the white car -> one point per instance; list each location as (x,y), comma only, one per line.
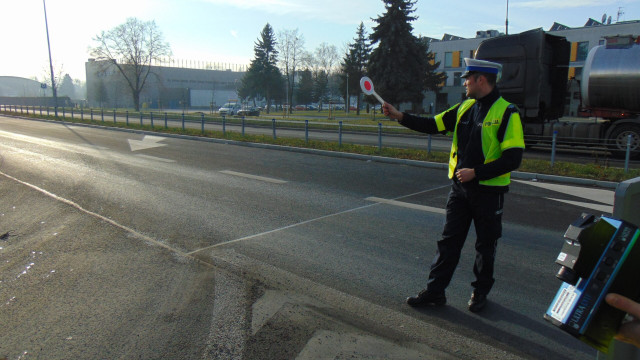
(229,109)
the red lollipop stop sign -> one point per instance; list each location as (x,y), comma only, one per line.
(367,87)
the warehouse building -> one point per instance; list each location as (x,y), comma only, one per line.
(170,85)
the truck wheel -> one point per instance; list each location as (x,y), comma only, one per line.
(618,141)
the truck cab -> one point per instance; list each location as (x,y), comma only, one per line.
(535,78)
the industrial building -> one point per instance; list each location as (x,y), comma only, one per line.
(170,85)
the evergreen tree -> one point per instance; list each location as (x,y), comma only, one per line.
(321,83)
(399,64)
(263,78)
(304,92)
(67,88)
(433,80)
(354,65)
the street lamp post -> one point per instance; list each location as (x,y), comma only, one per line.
(347,99)
(53,84)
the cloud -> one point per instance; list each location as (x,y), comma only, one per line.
(555,4)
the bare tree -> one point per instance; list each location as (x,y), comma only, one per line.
(322,65)
(58,73)
(291,49)
(132,47)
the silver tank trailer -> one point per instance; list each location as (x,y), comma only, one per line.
(611,78)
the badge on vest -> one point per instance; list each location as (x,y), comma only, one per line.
(492,122)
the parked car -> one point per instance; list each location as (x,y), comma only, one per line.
(312,107)
(229,109)
(249,112)
(300,107)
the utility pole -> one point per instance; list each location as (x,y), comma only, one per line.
(53,83)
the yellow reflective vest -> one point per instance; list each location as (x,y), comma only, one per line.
(492,147)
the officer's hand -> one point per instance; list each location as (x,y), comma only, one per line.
(629,332)
(391,111)
(465,175)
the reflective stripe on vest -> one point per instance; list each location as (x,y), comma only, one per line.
(491,147)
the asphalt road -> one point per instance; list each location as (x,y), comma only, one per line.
(283,128)
(131,245)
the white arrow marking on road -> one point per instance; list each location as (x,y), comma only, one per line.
(147,142)
(599,195)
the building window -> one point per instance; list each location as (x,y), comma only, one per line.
(456,58)
(583,50)
(448,59)
(457,80)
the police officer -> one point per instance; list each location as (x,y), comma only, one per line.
(487,145)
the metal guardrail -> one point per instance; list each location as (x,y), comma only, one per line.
(160,118)
(205,122)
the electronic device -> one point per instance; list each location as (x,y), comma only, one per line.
(599,256)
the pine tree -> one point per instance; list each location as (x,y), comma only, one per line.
(354,65)
(263,78)
(433,80)
(304,91)
(67,88)
(399,64)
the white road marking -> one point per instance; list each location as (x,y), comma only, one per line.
(280,229)
(249,237)
(254,177)
(608,209)
(81,149)
(599,195)
(96,215)
(266,307)
(147,142)
(406,205)
(603,197)
(155,158)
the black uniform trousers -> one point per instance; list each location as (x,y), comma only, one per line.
(464,205)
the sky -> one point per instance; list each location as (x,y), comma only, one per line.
(224,31)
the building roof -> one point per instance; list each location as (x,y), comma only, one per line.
(449,37)
(18,86)
(592,22)
(557,26)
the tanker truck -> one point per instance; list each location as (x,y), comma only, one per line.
(535,78)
